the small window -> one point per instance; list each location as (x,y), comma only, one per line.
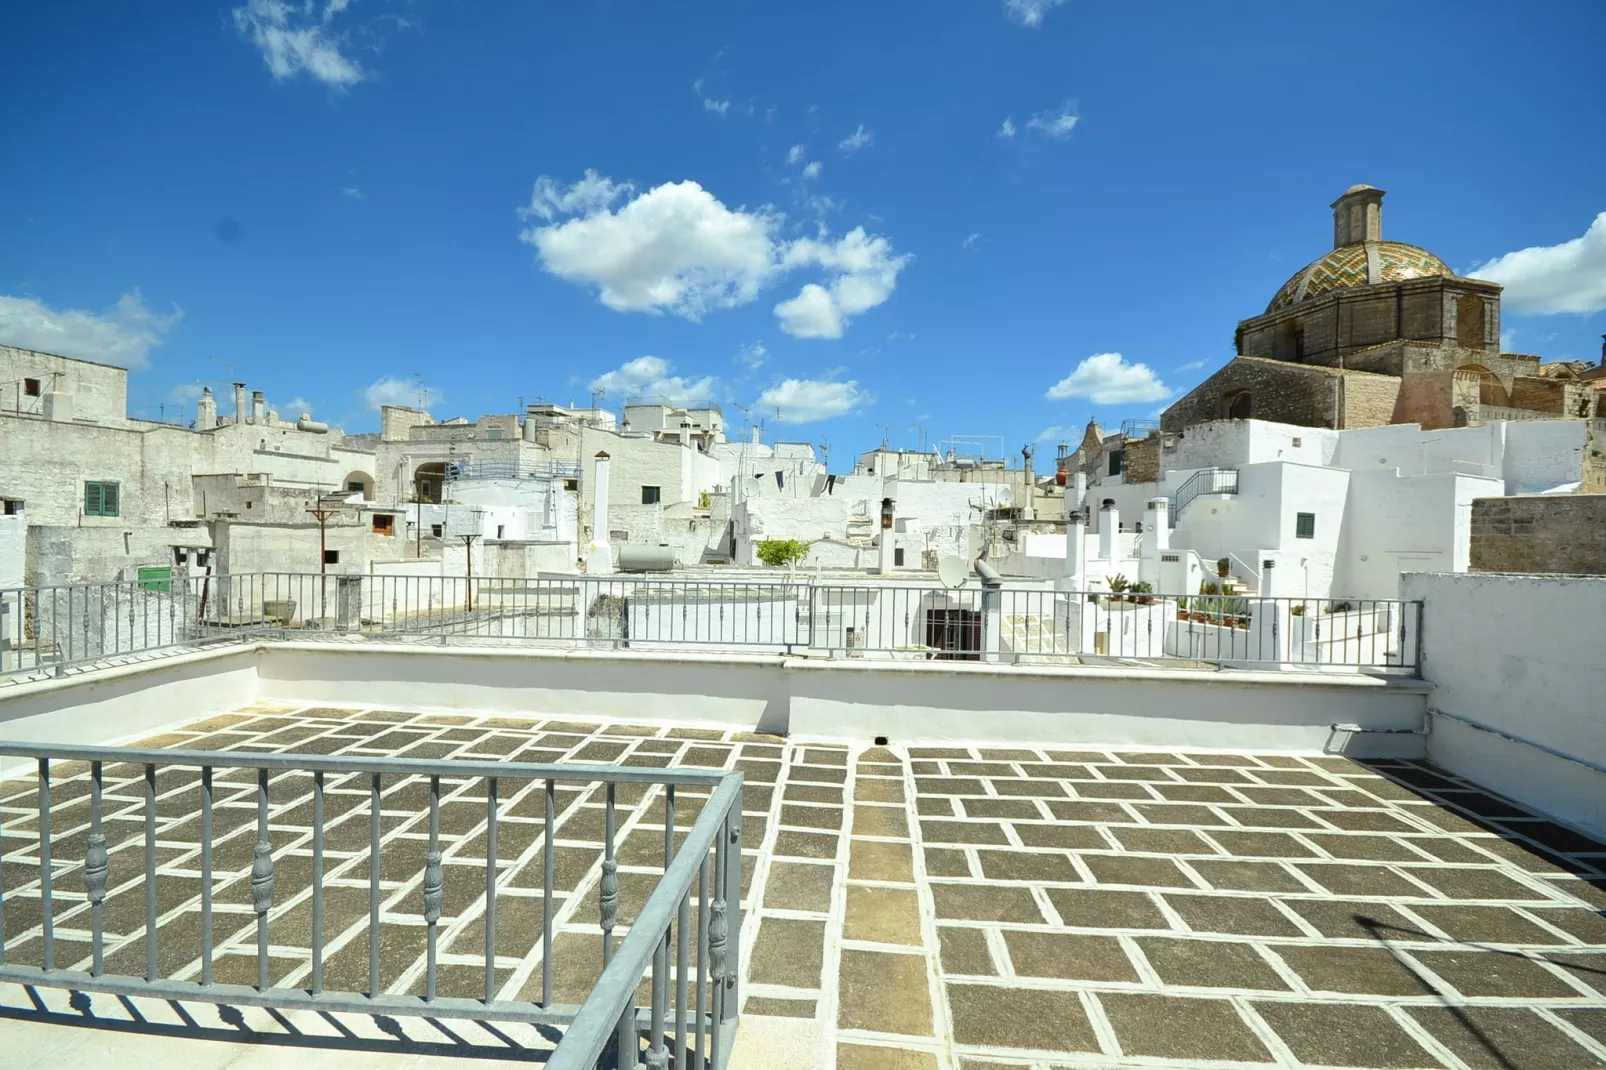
(499,531)
(1304,525)
(13,506)
(897,556)
(435,530)
(571,484)
(354,487)
(1298,442)
(181,556)
(651,495)
(1117,459)
(203,557)
(248,505)
(384,524)
(101,499)
(30,388)
(331,557)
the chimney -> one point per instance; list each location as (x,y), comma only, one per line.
(1358,216)
(599,560)
(259,407)
(884,557)
(1074,577)
(1109,527)
(205,411)
(239,403)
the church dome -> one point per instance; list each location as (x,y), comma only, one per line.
(1362,263)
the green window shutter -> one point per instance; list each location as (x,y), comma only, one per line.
(108,499)
(1304,525)
(92,499)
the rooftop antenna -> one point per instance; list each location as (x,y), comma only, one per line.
(421,390)
(825,451)
(598,394)
(922,430)
(886,430)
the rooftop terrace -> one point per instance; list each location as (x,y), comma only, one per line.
(920,906)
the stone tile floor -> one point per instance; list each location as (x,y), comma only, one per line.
(921,907)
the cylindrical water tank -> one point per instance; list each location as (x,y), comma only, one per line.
(530,428)
(636,557)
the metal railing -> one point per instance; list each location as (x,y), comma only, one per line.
(691,1013)
(550,470)
(1204,481)
(889,621)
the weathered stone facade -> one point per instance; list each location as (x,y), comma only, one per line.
(1303,394)
(1371,310)
(1540,533)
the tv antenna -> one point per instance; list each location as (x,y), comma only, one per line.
(825,451)
(886,430)
(420,390)
(598,394)
(922,430)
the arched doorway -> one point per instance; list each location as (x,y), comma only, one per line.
(1490,392)
(429,482)
(1239,404)
(358,482)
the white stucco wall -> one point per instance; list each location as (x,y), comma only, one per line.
(1520,655)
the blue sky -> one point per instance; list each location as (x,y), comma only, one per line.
(975,217)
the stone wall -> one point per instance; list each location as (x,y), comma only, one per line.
(1540,533)
(1299,394)
(1141,460)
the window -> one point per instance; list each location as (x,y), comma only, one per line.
(13,506)
(897,557)
(955,632)
(30,388)
(1239,404)
(651,495)
(1117,458)
(384,524)
(435,530)
(499,531)
(101,499)
(571,484)
(354,487)
(181,556)
(203,557)
(1304,525)
(331,557)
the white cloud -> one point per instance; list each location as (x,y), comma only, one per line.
(185,394)
(649,377)
(293,408)
(1508,340)
(593,192)
(1192,366)
(124,334)
(351,191)
(676,248)
(1029,12)
(753,355)
(389,390)
(1059,433)
(1107,379)
(298,40)
(812,170)
(802,401)
(1008,129)
(970,241)
(718,107)
(856,140)
(1055,123)
(794,155)
(866,272)
(1550,279)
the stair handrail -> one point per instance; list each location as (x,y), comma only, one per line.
(1204,481)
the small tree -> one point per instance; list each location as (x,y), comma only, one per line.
(778,552)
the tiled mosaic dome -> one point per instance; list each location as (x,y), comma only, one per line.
(1359,264)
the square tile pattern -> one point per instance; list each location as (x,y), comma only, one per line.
(928,906)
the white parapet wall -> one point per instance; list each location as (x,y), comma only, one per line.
(1519,686)
(847,700)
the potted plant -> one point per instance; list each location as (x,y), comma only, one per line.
(1118,586)
(1223,567)
(1143,593)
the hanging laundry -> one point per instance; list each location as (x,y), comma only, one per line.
(780,480)
(830,484)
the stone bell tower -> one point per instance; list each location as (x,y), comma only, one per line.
(1358,216)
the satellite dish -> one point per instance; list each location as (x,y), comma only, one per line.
(953,571)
